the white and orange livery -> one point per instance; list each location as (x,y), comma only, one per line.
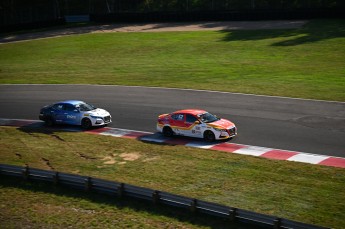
(196,123)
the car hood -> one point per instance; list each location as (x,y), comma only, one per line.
(222,124)
(98,112)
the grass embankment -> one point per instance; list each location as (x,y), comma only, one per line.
(305,63)
(307,193)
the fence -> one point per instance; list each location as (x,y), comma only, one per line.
(157,197)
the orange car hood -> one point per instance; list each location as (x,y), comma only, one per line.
(222,123)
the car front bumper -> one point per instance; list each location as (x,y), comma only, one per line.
(101,121)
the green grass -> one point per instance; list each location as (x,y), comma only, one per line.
(25,205)
(307,193)
(304,63)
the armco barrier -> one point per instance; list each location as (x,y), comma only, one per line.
(157,197)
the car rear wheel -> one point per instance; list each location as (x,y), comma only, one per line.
(49,122)
(209,136)
(86,123)
(167,131)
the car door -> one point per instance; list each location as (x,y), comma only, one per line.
(192,128)
(177,123)
(71,115)
(57,112)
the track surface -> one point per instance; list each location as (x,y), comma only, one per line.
(291,124)
(157,27)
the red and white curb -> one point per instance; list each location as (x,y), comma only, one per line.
(276,154)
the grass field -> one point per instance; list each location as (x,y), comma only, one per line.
(25,205)
(307,193)
(306,63)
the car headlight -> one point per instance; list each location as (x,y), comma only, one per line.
(218,129)
(95,117)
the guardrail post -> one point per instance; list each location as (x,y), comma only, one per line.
(277,223)
(88,184)
(155,197)
(120,190)
(56,178)
(26,172)
(193,205)
(232,214)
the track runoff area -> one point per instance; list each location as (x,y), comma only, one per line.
(270,153)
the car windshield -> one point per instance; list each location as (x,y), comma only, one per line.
(85,107)
(207,117)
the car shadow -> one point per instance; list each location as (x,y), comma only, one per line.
(159,138)
(31,127)
(40,127)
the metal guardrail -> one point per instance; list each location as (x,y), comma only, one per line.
(157,197)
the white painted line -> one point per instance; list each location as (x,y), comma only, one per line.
(308,158)
(186,89)
(114,132)
(129,131)
(201,145)
(152,139)
(253,150)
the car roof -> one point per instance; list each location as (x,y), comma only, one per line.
(73,102)
(191,111)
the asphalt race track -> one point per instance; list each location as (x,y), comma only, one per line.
(291,124)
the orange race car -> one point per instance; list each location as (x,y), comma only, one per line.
(196,123)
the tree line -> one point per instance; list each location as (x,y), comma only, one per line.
(14,12)
(113,6)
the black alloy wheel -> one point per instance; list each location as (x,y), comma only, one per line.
(86,124)
(49,122)
(209,136)
(167,131)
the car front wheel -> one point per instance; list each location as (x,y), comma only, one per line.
(167,131)
(209,136)
(86,123)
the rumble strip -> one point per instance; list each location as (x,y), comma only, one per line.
(275,154)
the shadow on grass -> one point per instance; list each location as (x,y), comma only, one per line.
(120,203)
(40,127)
(313,31)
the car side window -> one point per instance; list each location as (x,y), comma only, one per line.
(69,107)
(178,117)
(58,107)
(190,118)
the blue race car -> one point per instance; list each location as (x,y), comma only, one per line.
(74,112)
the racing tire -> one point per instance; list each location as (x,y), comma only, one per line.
(86,124)
(209,136)
(167,132)
(49,122)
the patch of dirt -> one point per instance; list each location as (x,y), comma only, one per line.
(130,156)
(109,160)
(47,162)
(158,27)
(86,157)
(151,159)
(57,137)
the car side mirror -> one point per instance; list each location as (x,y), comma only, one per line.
(76,110)
(197,122)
